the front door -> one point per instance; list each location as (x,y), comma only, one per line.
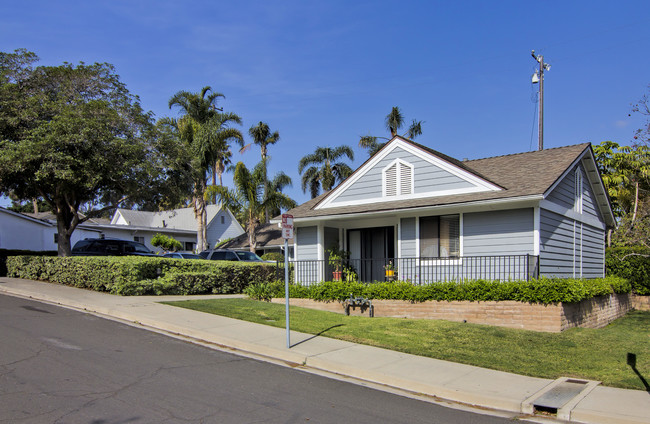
(370,250)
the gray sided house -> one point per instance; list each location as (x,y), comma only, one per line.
(434,218)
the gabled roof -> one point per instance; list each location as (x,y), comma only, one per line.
(179,219)
(26,217)
(268,235)
(519,176)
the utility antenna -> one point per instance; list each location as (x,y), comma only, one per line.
(538,77)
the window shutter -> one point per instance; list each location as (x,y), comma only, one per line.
(406,179)
(391,181)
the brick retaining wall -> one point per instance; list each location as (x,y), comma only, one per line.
(641,303)
(592,313)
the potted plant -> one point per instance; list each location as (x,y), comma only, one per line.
(336,258)
(390,270)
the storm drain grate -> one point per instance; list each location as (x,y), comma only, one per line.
(558,396)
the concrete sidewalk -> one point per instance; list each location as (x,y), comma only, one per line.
(445,381)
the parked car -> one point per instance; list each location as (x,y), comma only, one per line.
(110,247)
(230,255)
(177,255)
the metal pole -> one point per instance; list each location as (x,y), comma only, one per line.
(540,59)
(286,289)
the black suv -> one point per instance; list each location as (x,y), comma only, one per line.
(110,247)
(230,255)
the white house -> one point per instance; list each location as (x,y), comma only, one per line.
(437,218)
(39,231)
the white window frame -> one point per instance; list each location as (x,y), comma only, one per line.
(442,261)
(398,180)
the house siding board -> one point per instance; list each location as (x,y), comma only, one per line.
(508,232)
(307,272)
(564,195)
(428,178)
(408,238)
(593,252)
(217,231)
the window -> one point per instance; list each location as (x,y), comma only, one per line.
(56,238)
(223,219)
(440,236)
(139,239)
(577,205)
(398,178)
(189,245)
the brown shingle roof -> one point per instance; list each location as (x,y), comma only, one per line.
(267,235)
(522,174)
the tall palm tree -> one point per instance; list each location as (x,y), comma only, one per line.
(262,136)
(325,172)
(205,131)
(394,121)
(248,198)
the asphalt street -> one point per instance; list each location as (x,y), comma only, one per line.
(62,366)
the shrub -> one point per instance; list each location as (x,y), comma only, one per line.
(632,263)
(166,243)
(543,290)
(4,253)
(142,275)
(273,256)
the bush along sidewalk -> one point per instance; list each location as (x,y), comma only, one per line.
(543,291)
(632,263)
(142,276)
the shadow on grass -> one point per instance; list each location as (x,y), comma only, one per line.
(631,361)
(316,335)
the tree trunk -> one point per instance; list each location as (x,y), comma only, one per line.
(609,237)
(66,222)
(252,240)
(200,215)
(636,201)
(35,204)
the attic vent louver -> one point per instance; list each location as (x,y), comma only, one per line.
(398,178)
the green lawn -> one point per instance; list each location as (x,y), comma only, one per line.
(580,352)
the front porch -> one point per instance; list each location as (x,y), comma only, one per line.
(422,270)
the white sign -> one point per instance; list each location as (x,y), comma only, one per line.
(287,226)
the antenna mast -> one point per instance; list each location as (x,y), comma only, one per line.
(538,77)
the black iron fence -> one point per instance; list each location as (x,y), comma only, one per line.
(415,270)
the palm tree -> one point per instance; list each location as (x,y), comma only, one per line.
(262,136)
(394,121)
(204,129)
(248,198)
(326,172)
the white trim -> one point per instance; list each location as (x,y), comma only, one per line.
(478,206)
(536,230)
(461,232)
(399,237)
(450,192)
(398,178)
(570,213)
(480,184)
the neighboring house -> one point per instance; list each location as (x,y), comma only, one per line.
(20,231)
(178,223)
(436,218)
(269,239)
(139,226)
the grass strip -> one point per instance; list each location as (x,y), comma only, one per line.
(594,354)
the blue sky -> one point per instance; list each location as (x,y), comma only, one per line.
(324,73)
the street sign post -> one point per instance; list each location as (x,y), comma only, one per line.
(287,233)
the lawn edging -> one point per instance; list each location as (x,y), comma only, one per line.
(595,312)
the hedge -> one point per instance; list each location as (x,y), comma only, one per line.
(632,263)
(142,275)
(544,290)
(4,253)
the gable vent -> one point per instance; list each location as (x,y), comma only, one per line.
(398,178)
(406,178)
(391,180)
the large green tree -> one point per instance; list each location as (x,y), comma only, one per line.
(394,122)
(73,136)
(321,169)
(248,198)
(207,133)
(625,171)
